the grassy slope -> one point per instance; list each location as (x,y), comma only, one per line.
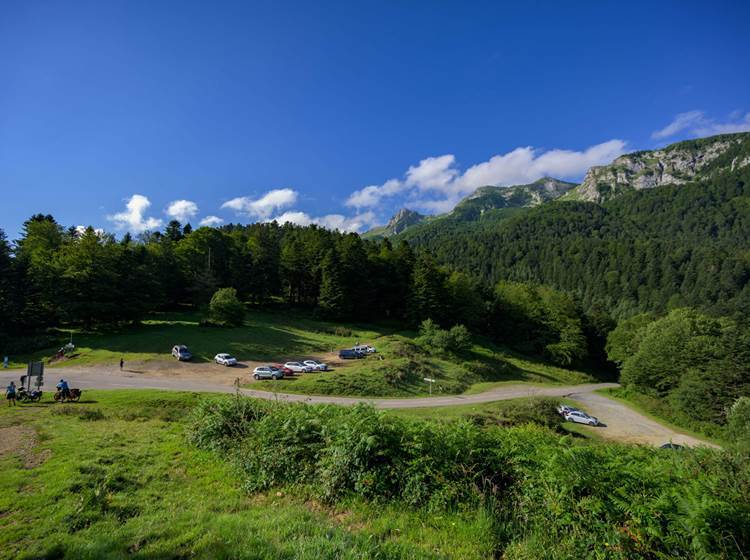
(265,336)
(285,335)
(480,369)
(125,484)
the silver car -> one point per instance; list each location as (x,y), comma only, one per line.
(225,360)
(315,365)
(298,367)
(267,372)
(580,417)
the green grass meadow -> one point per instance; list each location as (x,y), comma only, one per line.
(113,477)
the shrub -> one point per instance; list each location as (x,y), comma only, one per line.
(399,373)
(549,497)
(221,423)
(738,424)
(226,308)
(431,336)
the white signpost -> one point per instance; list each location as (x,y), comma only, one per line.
(430,381)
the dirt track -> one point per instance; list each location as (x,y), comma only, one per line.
(621,422)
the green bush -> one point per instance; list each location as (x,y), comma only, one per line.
(738,424)
(226,308)
(435,339)
(540,411)
(550,497)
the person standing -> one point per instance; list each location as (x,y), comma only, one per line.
(122,363)
(10,393)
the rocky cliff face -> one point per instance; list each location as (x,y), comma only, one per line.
(402,220)
(518,196)
(674,165)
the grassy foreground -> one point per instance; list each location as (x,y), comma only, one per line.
(122,475)
(113,477)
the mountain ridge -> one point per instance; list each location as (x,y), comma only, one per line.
(675,164)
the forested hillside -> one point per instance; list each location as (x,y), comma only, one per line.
(645,250)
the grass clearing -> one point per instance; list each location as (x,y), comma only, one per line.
(265,336)
(127,484)
(397,370)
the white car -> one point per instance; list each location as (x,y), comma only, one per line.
(298,367)
(267,372)
(364,349)
(316,366)
(225,360)
(581,418)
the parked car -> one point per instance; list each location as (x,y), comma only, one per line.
(564,409)
(267,372)
(181,352)
(283,369)
(350,354)
(580,417)
(364,349)
(225,360)
(315,365)
(298,367)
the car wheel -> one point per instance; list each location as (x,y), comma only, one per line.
(256,376)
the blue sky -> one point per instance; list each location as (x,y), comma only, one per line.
(341,113)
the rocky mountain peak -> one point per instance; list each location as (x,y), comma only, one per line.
(673,165)
(402,220)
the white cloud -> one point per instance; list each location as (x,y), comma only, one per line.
(696,123)
(181,210)
(340,222)
(265,206)
(211,221)
(80,230)
(432,173)
(370,196)
(438,183)
(132,218)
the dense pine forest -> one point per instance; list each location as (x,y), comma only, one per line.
(649,250)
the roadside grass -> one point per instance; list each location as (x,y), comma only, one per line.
(660,411)
(505,413)
(122,482)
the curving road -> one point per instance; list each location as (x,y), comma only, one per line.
(622,423)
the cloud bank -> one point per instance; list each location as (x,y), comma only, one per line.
(696,123)
(437,184)
(133,218)
(263,207)
(356,223)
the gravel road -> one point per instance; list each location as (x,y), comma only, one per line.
(622,423)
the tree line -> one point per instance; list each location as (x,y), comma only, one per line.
(53,276)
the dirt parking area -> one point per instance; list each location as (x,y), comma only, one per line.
(209,372)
